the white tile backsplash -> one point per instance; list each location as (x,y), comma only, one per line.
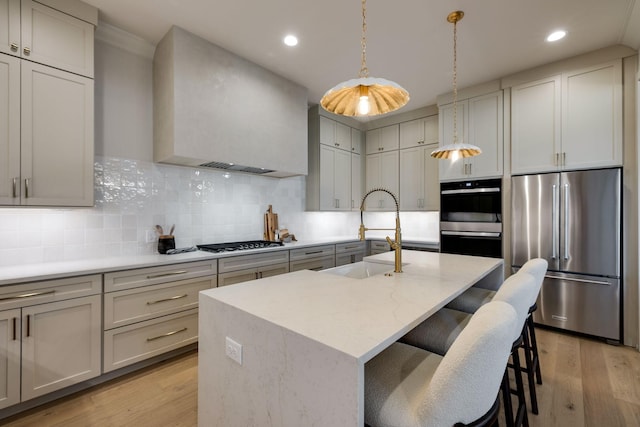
(206,206)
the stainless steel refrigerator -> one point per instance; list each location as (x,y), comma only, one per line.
(572,219)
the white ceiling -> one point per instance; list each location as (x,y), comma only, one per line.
(408,41)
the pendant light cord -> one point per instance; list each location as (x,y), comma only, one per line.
(455,83)
(364,71)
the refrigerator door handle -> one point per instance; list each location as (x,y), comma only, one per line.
(594,282)
(566,221)
(554,228)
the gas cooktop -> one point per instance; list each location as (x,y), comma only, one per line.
(239,246)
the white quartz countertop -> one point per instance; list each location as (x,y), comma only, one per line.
(54,270)
(359,317)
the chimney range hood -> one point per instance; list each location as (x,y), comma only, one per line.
(215,109)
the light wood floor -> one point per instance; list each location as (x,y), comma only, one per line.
(586,383)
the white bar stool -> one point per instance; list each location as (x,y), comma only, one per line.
(411,387)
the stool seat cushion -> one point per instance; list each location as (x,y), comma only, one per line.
(471,300)
(396,383)
(438,332)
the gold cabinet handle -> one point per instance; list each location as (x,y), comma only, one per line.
(27,51)
(167,299)
(171,273)
(29,295)
(168,334)
(14,47)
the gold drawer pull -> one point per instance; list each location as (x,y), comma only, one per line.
(168,334)
(171,273)
(167,299)
(29,295)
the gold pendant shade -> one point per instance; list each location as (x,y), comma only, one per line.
(456,151)
(383,96)
(364,96)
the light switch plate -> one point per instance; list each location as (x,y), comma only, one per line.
(233,349)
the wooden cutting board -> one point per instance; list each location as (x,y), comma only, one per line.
(270,225)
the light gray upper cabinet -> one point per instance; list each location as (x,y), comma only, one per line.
(213,108)
(419,132)
(381,170)
(335,134)
(47,150)
(568,121)
(31,30)
(357,168)
(479,122)
(383,139)
(419,182)
(419,179)
(333,161)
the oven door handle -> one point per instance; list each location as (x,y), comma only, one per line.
(471,234)
(472,190)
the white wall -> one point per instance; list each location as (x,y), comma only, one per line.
(132,193)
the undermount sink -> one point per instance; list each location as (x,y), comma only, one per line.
(360,270)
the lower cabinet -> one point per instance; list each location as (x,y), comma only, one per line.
(313,258)
(378,247)
(150,311)
(248,274)
(134,343)
(243,268)
(49,340)
(348,253)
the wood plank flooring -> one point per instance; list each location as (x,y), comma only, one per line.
(585,383)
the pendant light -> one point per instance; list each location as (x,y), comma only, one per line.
(457,149)
(364,96)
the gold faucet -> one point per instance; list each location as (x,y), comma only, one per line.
(395,245)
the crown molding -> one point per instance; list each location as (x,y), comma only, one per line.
(124,40)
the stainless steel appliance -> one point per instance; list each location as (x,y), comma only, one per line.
(238,246)
(471,217)
(572,219)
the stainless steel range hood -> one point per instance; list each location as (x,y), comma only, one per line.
(215,109)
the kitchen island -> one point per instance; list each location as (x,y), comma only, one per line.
(300,340)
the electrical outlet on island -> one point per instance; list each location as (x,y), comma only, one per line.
(233,349)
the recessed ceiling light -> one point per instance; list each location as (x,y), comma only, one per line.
(556,35)
(291,40)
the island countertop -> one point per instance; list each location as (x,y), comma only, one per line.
(305,337)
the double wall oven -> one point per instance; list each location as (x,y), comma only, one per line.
(471,217)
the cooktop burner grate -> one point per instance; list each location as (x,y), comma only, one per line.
(238,246)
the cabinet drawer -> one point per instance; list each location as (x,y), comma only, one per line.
(243,262)
(239,276)
(350,258)
(312,252)
(360,246)
(139,304)
(313,264)
(379,246)
(130,344)
(128,279)
(26,294)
